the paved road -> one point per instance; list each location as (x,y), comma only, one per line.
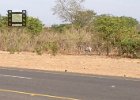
(22,84)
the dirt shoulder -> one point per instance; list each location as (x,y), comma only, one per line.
(99,65)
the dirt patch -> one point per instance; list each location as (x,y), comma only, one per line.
(100,65)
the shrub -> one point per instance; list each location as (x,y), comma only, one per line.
(54,48)
(34,26)
(130,45)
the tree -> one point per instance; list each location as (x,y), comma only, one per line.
(3,21)
(34,25)
(115,30)
(66,9)
(84,18)
(130,44)
(73,12)
(138,28)
(105,24)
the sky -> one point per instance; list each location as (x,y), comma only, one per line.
(42,9)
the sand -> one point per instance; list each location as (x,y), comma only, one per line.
(97,65)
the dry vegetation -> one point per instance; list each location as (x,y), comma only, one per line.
(68,42)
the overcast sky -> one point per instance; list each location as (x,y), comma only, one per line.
(43,8)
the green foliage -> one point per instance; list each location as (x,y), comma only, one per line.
(61,28)
(115,30)
(3,21)
(128,22)
(84,18)
(111,24)
(34,25)
(130,45)
(54,48)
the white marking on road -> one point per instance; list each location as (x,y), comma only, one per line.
(12,69)
(113,86)
(57,73)
(28,78)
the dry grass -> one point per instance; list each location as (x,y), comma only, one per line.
(100,65)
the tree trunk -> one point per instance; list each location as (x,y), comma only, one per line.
(107,48)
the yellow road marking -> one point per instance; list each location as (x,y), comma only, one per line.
(35,94)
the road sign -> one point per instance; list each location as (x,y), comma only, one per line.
(17,18)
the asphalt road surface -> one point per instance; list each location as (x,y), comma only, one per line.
(23,84)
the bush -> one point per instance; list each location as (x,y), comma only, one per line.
(40,47)
(34,26)
(130,45)
(43,46)
(39,50)
(54,48)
